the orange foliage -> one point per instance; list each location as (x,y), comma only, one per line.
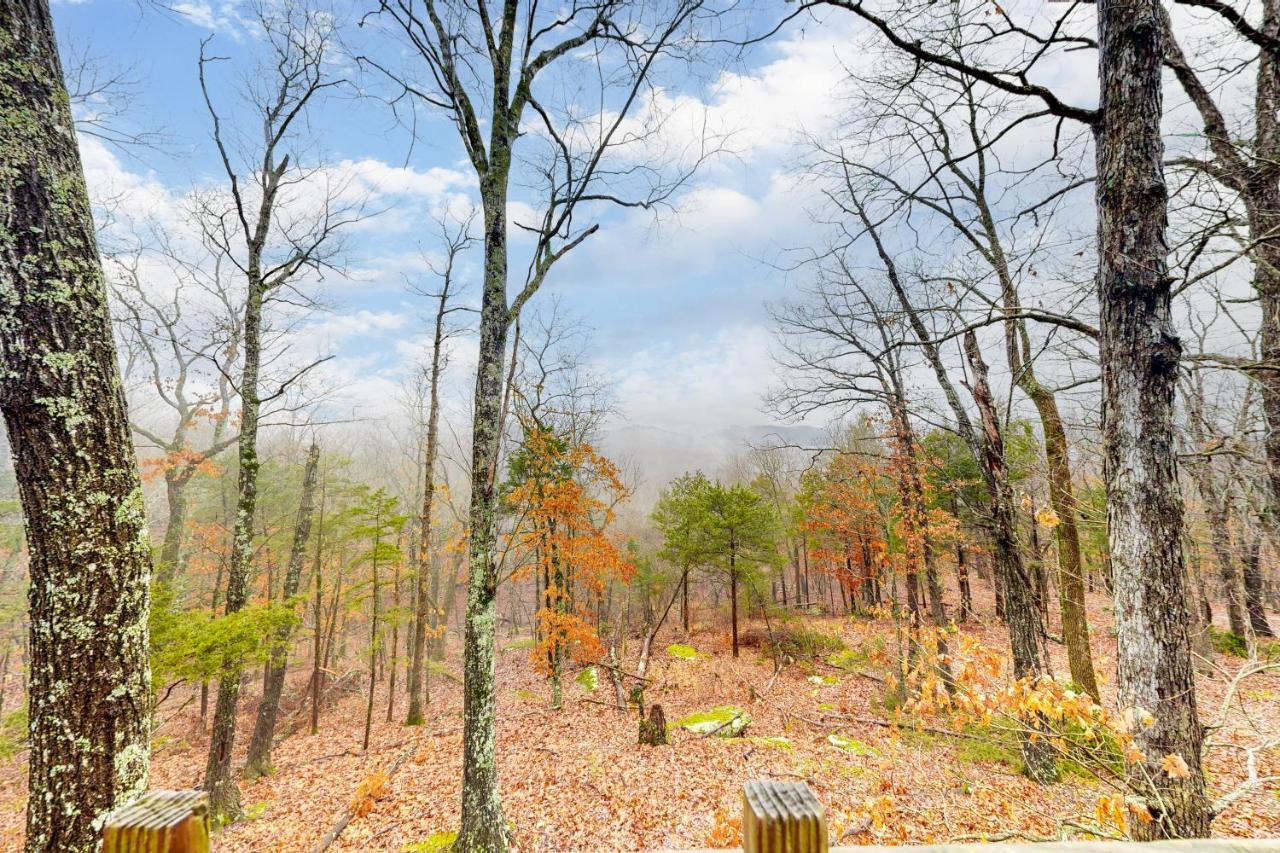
(188,460)
(566,495)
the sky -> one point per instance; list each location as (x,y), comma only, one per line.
(676,299)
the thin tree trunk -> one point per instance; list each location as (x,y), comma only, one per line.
(1253,590)
(1011,573)
(373,642)
(169,567)
(427,602)
(259,761)
(1139,355)
(317,677)
(224,795)
(395,641)
(89,684)
(733,598)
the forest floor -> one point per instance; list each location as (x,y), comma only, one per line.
(575,779)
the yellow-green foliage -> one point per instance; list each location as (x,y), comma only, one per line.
(683,652)
(197,646)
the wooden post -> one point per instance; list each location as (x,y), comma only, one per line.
(782,817)
(159,822)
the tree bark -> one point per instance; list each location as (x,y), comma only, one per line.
(483,827)
(1255,598)
(224,796)
(1011,573)
(89,683)
(1139,354)
(259,761)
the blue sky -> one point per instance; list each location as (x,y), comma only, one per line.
(676,301)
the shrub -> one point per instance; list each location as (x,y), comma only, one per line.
(1228,643)
(793,640)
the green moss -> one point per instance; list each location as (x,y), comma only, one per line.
(1228,643)
(436,842)
(851,745)
(522,644)
(800,641)
(13,732)
(777,742)
(724,721)
(683,652)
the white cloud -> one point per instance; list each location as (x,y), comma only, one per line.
(697,386)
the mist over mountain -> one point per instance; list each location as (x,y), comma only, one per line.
(652,456)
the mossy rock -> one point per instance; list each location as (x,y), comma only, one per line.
(522,644)
(777,742)
(683,652)
(852,745)
(823,680)
(725,721)
(848,660)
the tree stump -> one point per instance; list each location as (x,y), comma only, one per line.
(159,822)
(653,731)
(782,817)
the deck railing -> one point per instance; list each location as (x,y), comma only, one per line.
(777,817)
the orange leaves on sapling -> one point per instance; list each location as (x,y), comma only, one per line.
(371,789)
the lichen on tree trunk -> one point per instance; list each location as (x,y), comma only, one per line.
(1139,355)
(61,395)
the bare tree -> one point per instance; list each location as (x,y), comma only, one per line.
(273,237)
(486,67)
(64,410)
(176,339)
(1139,350)
(947,134)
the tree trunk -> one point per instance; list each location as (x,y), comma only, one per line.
(1255,599)
(224,796)
(483,827)
(373,644)
(175,486)
(1224,554)
(89,683)
(395,641)
(1139,354)
(684,601)
(1071,585)
(1011,573)
(259,761)
(317,677)
(427,598)
(733,600)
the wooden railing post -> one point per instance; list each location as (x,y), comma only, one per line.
(782,817)
(159,822)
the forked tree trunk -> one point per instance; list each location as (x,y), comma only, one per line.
(259,761)
(89,683)
(1139,354)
